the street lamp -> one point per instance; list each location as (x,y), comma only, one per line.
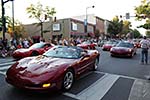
(13,21)
(3,17)
(86,18)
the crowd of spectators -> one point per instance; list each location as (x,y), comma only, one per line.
(14,44)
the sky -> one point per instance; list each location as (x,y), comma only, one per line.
(105,9)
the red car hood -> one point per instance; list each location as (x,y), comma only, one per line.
(120,49)
(38,69)
(40,65)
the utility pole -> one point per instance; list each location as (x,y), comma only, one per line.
(3,17)
(86,19)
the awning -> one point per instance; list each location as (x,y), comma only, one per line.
(78,33)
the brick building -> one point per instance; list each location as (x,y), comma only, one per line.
(66,28)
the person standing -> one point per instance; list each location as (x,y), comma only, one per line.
(144,52)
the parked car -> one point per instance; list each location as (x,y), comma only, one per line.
(34,50)
(125,49)
(108,45)
(55,69)
(87,45)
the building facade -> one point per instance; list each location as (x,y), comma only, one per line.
(66,28)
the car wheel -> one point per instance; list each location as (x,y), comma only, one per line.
(132,55)
(34,53)
(68,80)
(111,55)
(135,53)
(94,48)
(96,64)
(88,48)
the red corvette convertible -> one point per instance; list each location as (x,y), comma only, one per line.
(87,45)
(34,50)
(123,48)
(108,45)
(55,69)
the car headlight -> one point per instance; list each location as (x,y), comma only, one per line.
(112,49)
(130,50)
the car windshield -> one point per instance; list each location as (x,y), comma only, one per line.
(63,52)
(125,44)
(110,42)
(37,45)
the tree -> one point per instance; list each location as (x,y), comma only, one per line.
(126,27)
(115,27)
(97,33)
(40,13)
(146,25)
(15,31)
(136,33)
(143,13)
(147,34)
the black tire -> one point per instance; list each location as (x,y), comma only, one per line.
(135,53)
(132,55)
(88,48)
(111,55)
(68,80)
(34,53)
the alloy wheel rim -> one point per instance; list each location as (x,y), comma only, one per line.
(68,80)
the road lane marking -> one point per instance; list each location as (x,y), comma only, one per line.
(71,95)
(8,63)
(5,67)
(3,73)
(101,86)
(134,78)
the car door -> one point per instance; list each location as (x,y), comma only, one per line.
(84,63)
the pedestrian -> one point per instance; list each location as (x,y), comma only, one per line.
(26,43)
(145,44)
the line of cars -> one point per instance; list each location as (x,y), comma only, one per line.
(121,48)
(53,67)
(57,67)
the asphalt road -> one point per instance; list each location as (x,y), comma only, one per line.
(124,66)
(115,79)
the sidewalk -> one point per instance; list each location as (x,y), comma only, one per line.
(140,90)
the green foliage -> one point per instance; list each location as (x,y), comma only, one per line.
(136,33)
(38,11)
(97,33)
(115,27)
(147,34)
(126,27)
(143,12)
(18,27)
